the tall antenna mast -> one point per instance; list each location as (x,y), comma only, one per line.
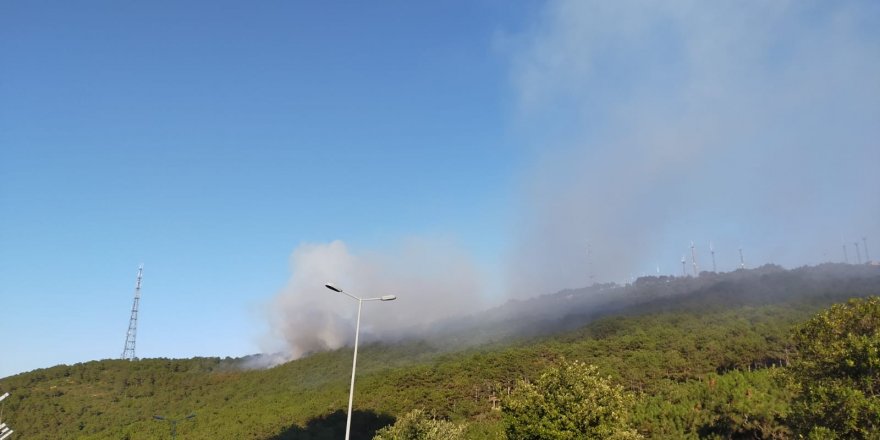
(742,261)
(865,241)
(845,254)
(694,258)
(858,252)
(683,271)
(128,352)
(712,251)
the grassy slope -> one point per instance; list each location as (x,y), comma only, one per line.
(687,356)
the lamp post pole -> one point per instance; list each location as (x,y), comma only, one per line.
(357,331)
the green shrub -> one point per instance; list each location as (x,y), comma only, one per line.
(568,401)
(838,372)
(417,425)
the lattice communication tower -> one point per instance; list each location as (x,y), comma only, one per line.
(128,352)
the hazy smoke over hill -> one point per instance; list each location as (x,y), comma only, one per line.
(657,123)
(648,124)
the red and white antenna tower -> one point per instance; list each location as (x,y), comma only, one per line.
(5,431)
(128,352)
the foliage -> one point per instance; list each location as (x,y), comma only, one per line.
(417,425)
(701,363)
(737,404)
(838,372)
(569,401)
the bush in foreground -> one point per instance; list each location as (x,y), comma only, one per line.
(838,372)
(417,425)
(568,401)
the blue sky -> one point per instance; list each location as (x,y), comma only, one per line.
(210,140)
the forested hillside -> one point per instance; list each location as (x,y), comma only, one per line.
(702,357)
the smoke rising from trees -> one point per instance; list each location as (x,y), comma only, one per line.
(432,278)
(646,125)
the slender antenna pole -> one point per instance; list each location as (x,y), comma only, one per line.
(742,261)
(867,256)
(694,258)
(845,254)
(712,251)
(858,252)
(590,264)
(683,271)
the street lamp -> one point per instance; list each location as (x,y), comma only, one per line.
(356,334)
(173,423)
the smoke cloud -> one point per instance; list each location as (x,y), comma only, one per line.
(646,125)
(652,124)
(433,279)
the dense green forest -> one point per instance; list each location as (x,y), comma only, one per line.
(703,357)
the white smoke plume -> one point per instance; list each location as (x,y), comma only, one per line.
(652,124)
(646,125)
(432,279)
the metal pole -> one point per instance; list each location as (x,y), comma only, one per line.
(712,250)
(353,366)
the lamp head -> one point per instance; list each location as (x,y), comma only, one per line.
(332,287)
(388,298)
